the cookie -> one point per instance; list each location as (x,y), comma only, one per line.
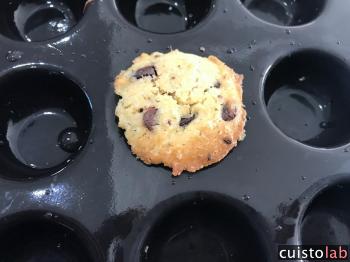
(180,110)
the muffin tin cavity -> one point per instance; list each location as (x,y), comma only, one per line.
(285,12)
(165,16)
(45,120)
(327,219)
(71,188)
(203,228)
(39,20)
(306,97)
(44,237)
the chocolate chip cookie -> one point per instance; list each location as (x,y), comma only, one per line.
(180,110)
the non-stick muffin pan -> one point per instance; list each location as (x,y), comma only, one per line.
(70,188)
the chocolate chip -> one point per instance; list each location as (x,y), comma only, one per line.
(217,84)
(228,113)
(186,120)
(149,118)
(140,110)
(227,141)
(146,71)
(169,122)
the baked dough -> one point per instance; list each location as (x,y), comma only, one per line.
(180,110)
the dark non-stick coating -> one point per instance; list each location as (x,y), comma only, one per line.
(281,185)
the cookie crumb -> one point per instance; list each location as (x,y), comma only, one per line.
(87,5)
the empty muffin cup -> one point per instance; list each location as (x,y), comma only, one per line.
(45,121)
(327,219)
(164,16)
(306,95)
(203,228)
(285,12)
(39,20)
(39,237)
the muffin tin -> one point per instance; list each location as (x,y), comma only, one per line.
(72,191)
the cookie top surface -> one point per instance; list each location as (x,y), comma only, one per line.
(181,110)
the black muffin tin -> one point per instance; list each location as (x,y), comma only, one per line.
(72,191)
